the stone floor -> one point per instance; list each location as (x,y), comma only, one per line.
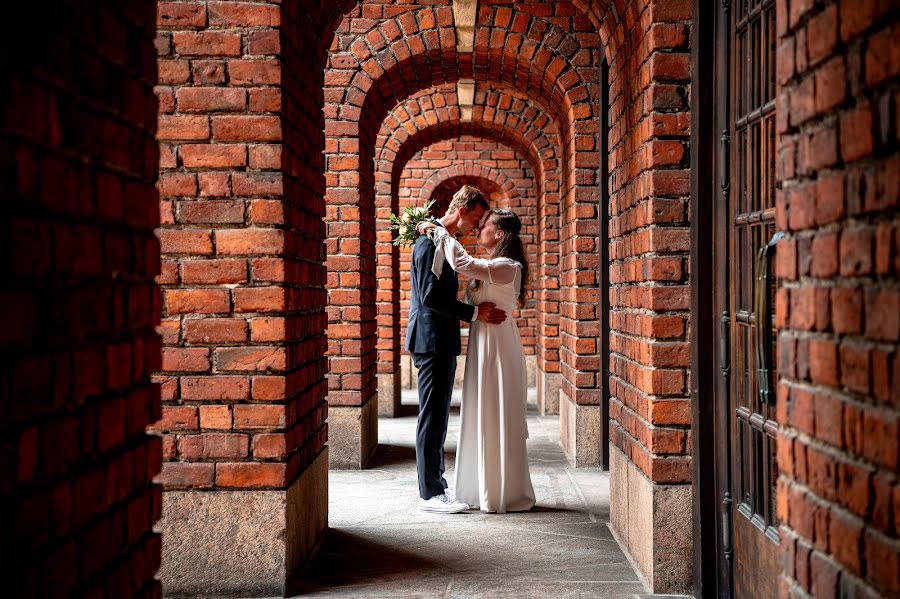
(381,546)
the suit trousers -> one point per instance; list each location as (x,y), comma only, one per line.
(436,374)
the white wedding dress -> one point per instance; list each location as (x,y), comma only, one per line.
(491,457)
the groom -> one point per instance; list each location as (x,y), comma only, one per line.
(433,339)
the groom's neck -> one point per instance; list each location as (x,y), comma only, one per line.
(451,222)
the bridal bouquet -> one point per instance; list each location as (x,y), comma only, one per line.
(405,224)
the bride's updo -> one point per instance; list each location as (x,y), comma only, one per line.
(510,245)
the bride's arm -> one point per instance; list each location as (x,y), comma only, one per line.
(498,270)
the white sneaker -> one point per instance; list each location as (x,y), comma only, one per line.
(451,493)
(442,504)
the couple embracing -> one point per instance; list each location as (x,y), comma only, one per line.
(491,460)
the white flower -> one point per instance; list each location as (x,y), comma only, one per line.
(406,216)
(420,211)
(404,230)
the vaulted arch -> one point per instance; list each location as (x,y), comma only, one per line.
(500,114)
(373,69)
(444,182)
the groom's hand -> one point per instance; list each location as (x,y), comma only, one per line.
(488,312)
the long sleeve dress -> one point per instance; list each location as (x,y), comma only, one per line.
(491,458)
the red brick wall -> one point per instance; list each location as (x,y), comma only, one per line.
(376,63)
(79,168)
(376,57)
(445,182)
(838,306)
(438,171)
(577,294)
(428,118)
(241,190)
(649,249)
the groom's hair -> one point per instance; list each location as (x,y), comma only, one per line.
(467,197)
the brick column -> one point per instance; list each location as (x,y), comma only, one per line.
(351,235)
(547,295)
(242,187)
(838,306)
(387,274)
(578,265)
(79,256)
(352,326)
(650,464)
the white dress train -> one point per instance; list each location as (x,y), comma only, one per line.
(491,458)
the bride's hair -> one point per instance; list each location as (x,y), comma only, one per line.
(510,245)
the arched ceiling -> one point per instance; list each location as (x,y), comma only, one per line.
(397,58)
(434,115)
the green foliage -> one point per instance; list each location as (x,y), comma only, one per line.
(405,224)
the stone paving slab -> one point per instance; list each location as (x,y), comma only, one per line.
(381,546)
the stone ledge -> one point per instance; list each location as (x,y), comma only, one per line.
(547,392)
(579,432)
(654,525)
(353,434)
(389,394)
(242,543)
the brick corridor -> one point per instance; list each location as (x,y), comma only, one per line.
(562,548)
(206,316)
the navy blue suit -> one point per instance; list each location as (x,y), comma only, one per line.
(433,340)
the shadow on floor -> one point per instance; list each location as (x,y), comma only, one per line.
(407,411)
(392,455)
(410,408)
(347,559)
(546,509)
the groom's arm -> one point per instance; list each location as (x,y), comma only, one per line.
(433,295)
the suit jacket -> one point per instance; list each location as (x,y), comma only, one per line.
(434,311)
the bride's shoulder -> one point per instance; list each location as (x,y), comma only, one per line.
(515,263)
(504,260)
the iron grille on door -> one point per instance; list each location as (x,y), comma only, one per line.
(752,218)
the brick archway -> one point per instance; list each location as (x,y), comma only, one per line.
(386,64)
(502,192)
(242,288)
(501,114)
(648,110)
(430,116)
(444,182)
(498,111)
(571,43)
(548,52)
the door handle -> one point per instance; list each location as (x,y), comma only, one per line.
(763,318)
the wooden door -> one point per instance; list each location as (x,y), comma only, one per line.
(746,252)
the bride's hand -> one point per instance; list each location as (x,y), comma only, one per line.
(425,226)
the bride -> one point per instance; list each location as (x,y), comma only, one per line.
(491,459)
